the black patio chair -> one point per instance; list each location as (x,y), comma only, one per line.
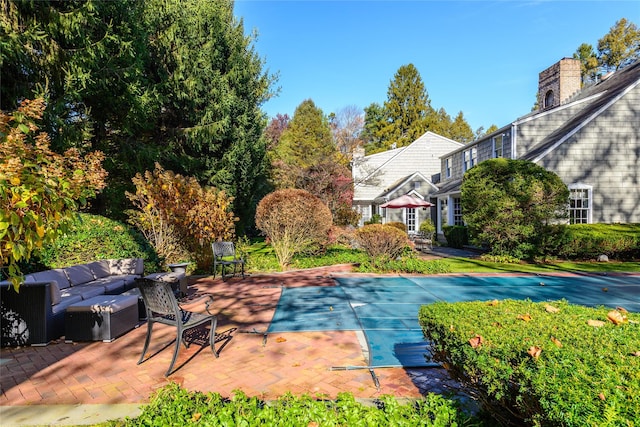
(163,307)
(224,254)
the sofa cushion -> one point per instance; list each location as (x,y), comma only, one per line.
(126,266)
(111,284)
(79,274)
(84,291)
(56,274)
(99,268)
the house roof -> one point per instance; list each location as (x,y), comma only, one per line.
(376,174)
(606,93)
(597,99)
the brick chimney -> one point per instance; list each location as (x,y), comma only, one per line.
(558,83)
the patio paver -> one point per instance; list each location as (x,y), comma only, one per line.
(107,373)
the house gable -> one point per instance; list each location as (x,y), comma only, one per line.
(375,174)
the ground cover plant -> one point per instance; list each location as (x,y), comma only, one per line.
(175,406)
(541,364)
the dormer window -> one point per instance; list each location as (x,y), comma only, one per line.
(447,167)
(548,99)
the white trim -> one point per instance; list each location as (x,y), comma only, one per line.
(585,122)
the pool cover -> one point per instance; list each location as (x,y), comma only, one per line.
(386,308)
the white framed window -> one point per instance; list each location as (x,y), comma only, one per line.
(469,158)
(497,146)
(447,167)
(417,185)
(410,219)
(457,211)
(580,203)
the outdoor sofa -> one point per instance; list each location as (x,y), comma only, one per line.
(35,315)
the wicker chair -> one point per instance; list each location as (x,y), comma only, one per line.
(224,254)
(163,307)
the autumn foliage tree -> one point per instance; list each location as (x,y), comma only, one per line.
(177,215)
(40,191)
(294,221)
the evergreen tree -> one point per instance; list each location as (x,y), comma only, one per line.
(460,130)
(372,129)
(588,62)
(407,108)
(210,84)
(307,141)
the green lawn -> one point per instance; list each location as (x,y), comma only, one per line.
(262,259)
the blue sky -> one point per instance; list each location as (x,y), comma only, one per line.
(478,57)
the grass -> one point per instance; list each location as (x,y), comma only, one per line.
(261,258)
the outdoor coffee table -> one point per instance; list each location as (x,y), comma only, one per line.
(101,318)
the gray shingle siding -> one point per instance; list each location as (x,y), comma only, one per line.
(605,155)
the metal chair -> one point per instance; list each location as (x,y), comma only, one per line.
(163,307)
(224,254)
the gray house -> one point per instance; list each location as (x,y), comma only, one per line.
(384,176)
(589,137)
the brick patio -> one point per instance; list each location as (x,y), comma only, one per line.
(107,373)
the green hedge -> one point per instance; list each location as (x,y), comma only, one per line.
(584,375)
(587,241)
(457,235)
(174,406)
(96,237)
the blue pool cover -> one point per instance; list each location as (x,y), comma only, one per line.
(386,308)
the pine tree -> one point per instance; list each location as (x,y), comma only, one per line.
(307,141)
(620,46)
(407,108)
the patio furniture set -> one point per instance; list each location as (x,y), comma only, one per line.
(102,300)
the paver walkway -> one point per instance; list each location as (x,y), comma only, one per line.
(107,373)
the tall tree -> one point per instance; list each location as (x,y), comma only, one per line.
(372,128)
(86,58)
(407,108)
(306,141)
(588,62)
(460,130)
(346,126)
(210,84)
(620,46)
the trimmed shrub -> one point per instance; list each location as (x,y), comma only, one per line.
(294,221)
(457,235)
(407,265)
(542,364)
(95,237)
(382,240)
(510,204)
(587,241)
(175,406)
(399,225)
